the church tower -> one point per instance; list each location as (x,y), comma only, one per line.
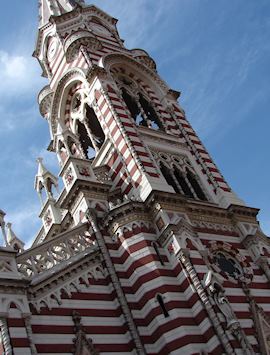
(147,250)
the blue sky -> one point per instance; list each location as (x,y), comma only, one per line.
(217,53)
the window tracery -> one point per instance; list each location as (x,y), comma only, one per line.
(178,173)
(85,124)
(138,103)
(228,264)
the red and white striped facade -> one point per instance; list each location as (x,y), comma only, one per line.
(124,264)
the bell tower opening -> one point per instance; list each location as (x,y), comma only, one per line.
(96,130)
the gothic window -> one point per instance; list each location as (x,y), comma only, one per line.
(151,116)
(162,305)
(141,110)
(86,143)
(196,187)
(95,127)
(169,177)
(86,123)
(177,173)
(133,107)
(183,183)
(228,264)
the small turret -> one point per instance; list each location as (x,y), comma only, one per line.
(13,241)
(45,180)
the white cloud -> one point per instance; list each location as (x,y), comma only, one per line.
(16,119)
(19,74)
(25,222)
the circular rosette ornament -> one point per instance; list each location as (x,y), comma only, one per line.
(229,263)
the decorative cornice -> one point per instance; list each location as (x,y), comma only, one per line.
(100,190)
(120,58)
(52,288)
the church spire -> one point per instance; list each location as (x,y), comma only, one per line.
(48,8)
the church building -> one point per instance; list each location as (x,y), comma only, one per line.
(146,250)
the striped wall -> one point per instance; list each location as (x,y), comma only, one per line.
(187,327)
(17,331)
(198,150)
(101,317)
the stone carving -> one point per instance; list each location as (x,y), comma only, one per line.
(76,40)
(69,177)
(102,173)
(83,170)
(82,345)
(217,293)
(51,298)
(49,254)
(48,219)
(243,269)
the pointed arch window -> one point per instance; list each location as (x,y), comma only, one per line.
(169,177)
(87,125)
(133,108)
(96,130)
(140,108)
(179,176)
(183,183)
(195,185)
(86,143)
(151,115)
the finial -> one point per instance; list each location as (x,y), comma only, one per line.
(12,240)
(45,180)
(2,225)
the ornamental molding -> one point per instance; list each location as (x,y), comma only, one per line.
(144,58)
(82,344)
(49,294)
(80,38)
(119,230)
(45,100)
(262,327)
(72,75)
(220,227)
(111,59)
(87,11)
(86,189)
(20,301)
(56,253)
(125,213)
(158,138)
(180,232)
(226,248)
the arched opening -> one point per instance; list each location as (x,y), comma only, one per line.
(196,186)
(150,113)
(162,305)
(85,141)
(168,177)
(133,108)
(97,133)
(182,182)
